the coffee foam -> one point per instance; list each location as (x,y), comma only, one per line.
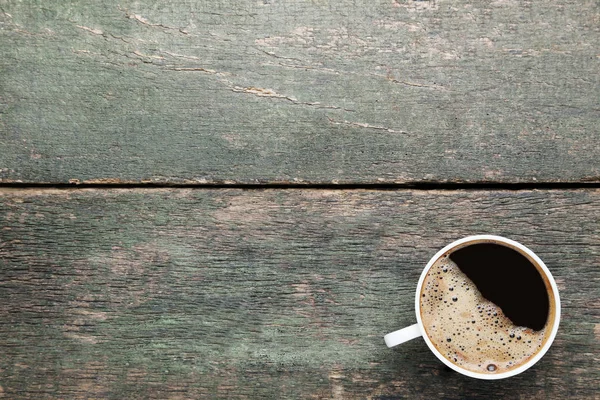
(469,330)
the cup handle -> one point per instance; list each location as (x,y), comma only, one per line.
(403,335)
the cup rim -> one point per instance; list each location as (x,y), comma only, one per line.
(549,277)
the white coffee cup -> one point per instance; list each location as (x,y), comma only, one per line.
(416,330)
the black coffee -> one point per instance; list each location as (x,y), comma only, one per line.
(508,279)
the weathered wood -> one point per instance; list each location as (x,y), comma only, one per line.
(267,294)
(293,90)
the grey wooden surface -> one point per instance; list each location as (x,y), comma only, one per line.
(284,293)
(179,293)
(299,91)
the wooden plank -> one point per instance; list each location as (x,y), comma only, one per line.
(291,90)
(163,293)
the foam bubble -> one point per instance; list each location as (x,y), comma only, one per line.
(469,330)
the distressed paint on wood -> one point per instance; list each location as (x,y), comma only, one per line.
(177,293)
(299,91)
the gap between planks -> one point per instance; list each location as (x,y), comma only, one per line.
(449,186)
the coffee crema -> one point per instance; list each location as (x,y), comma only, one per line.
(469,330)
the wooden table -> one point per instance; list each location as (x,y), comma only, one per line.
(235,199)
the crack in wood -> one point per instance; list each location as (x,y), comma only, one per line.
(260,92)
(365,125)
(140,19)
(91,30)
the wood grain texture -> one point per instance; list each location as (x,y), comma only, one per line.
(293,90)
(162,293)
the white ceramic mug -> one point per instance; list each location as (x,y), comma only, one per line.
(416,330)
